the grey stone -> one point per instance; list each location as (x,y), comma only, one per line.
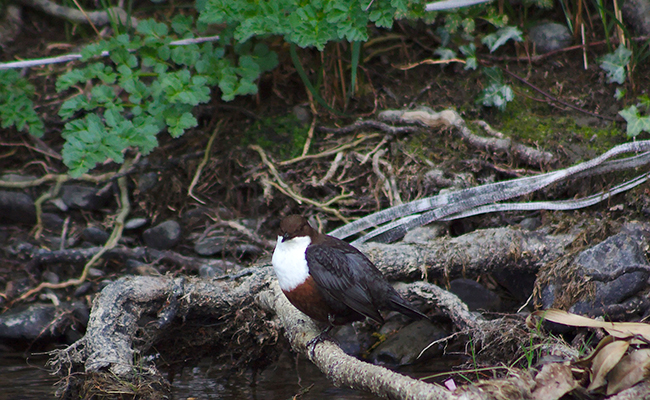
(38,322)
(617,268)
(85,197)
(147,181)
(16,207)
(135,223)
(211,245)
(163,236)
(95,235)
(52,221)
(550,36)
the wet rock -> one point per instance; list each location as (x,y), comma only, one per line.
(352,341)
(52,221)
(85,197)
(41,322)
(550,36)
(247,250)
(83,289)
(95,235)
(200,215)
(617,268)
(637,13)
(51,277)
(211,245)
(163,236)
(603,264)
(404,347)
(475,295)
(147,181)
(16,207)
(135,223)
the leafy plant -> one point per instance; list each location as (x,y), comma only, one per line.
(614,64)
(148,85)
(16,106)
(308,23)
(496,94)
(636,122)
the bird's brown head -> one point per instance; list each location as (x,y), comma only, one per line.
(294,226)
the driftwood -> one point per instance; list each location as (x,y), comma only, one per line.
(135,313)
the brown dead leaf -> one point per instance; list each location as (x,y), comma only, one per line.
(632,369)
(606,359)
(620,330)
(554,381)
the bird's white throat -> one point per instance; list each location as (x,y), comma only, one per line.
(289,261)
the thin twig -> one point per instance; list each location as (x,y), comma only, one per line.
(206,157)
(87,18)
(110,243)
(310,136)
(332,169)
(38,204)
(287,191)
(329,152)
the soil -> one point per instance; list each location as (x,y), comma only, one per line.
(232,184)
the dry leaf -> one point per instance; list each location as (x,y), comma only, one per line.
(605,360)
(632,369)
(554,381)
(620,330)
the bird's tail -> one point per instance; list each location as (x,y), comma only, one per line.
(401,305)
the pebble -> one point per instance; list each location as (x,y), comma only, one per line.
(135,223)
(95,235)
(550,36)
(16,207)
(84,197)
(163,236)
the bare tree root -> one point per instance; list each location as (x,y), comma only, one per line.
(470,255)
(115,343)
(451,119)
(339,367)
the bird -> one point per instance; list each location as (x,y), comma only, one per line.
(329,280)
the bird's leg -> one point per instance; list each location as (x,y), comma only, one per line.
(323,336)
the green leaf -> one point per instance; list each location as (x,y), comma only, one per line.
(614,64)
(69,79)
(177,123)
(470,52)
(636,123)
(500,37)
(496,95)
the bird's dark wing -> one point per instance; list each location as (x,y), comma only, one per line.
(333,269)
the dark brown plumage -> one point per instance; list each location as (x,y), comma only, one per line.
(339,284)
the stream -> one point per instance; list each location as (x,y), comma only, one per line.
(28,379)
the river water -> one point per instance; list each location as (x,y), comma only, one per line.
(28,379)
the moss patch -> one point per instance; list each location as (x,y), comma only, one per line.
(283,136)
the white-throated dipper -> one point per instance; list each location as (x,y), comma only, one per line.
(329,280)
